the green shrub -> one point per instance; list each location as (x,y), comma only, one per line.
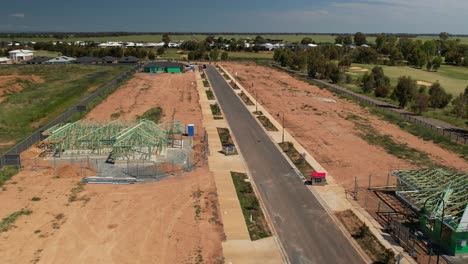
(153,114)
(6,173)
(7,222)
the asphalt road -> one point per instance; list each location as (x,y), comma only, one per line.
(306,231)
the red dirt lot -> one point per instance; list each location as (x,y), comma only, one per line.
(145,91)
(173,220)
(327,130)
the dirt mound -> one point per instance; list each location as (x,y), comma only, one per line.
(15,83)
(7,143)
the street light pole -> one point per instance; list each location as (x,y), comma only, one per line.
(256,101)
(282,138)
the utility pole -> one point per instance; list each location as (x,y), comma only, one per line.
(355,189)
(256,101)
(282,138)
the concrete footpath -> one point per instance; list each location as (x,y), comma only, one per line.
(332,196)
(237,248)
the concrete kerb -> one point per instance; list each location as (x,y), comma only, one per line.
(261,202)
(363,215)
(321,201)
(241,159)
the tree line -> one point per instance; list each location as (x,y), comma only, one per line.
(330,62)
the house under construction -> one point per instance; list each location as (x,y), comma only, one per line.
(441,200)
(120,139)
(142,143)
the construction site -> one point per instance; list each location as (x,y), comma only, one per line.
(359,150)
(139,161)
(119,149)
(142,162)
(440,200)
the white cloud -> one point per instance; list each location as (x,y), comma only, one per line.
(18,15)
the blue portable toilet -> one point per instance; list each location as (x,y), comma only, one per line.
(191,130)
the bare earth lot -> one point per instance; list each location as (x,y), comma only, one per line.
(175,220)
(144,91)
(328,130)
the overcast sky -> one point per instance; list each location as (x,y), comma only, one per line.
(315,16)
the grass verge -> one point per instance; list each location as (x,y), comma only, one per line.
(8,221)
(246,99)
(210,95)
(253,215)
(225,75)
(216,111)
(366,240)
(267,123)
(225,136)
(6,173)
(297,158)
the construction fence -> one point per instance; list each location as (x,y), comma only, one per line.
(178,159)
(384,206)
(12,156)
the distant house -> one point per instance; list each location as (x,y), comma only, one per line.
(61,60)
(109,59)
(80,43)
(154,45)
(133,45)
(5,60)
(173,45)
(21,55)
(269,46)
(38,60)
(164,66)
(87,60)
(129,59)
(110,44)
